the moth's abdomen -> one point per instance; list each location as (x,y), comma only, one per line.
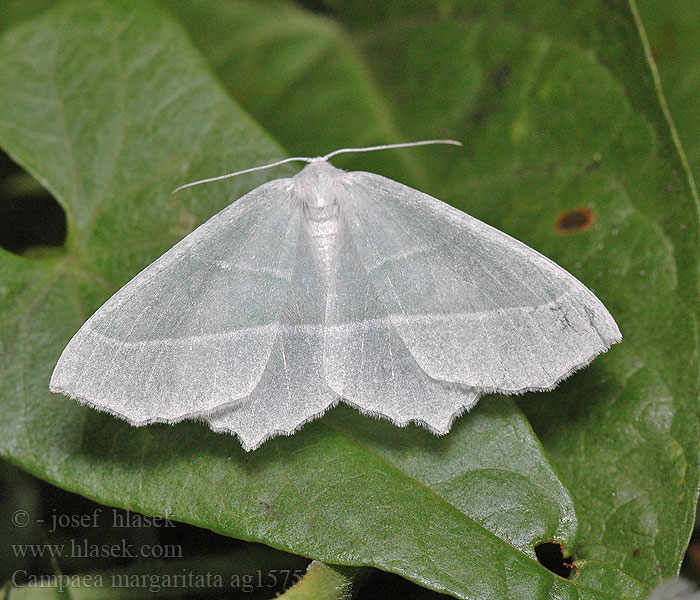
(321,224)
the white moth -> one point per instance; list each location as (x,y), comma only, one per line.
(327,286)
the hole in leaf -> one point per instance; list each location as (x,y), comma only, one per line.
(551,556)
(575,220)
(29,216)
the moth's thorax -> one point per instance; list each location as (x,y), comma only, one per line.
(317,187)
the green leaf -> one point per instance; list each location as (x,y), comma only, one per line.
(550,126)
(446,512)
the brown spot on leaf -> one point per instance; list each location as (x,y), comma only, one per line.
(579,219)
(637,553)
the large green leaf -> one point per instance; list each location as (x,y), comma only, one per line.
(108,106)
(549,128)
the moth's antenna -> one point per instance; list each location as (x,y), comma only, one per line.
(390,147)
(260,168)
(318,159)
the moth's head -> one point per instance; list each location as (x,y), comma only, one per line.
(318,183)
